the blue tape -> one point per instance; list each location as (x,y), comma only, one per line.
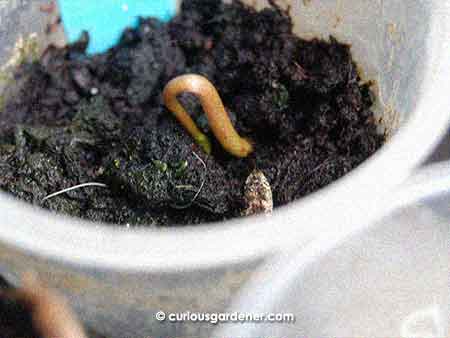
(105,20)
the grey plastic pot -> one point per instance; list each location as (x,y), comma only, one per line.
(388,280)
(118,278)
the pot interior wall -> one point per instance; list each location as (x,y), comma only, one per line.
(388,40)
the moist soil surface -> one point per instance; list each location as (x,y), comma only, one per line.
(71,118)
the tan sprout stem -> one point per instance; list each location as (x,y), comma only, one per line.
(214,109)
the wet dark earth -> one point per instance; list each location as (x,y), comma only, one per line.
(71,118)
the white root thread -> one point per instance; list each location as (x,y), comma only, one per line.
(80,186)
(201,185)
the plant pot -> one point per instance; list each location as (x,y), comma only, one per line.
(388,280)
(118,279)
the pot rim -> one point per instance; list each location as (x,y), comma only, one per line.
(81,243)
(427,183)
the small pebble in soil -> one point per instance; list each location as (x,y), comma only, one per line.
(258,194)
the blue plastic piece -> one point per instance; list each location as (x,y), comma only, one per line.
(105,20)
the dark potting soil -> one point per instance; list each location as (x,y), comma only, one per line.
(72,118)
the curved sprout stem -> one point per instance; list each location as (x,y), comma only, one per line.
(214,109)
